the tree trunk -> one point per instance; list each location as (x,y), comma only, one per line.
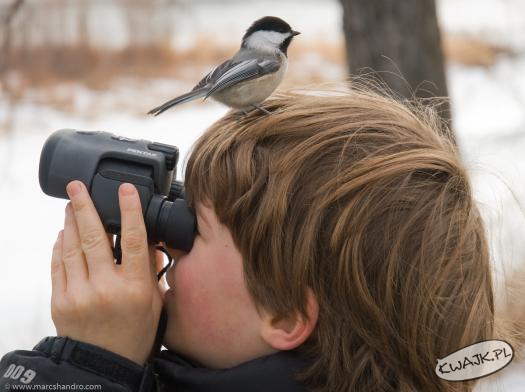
(399,40)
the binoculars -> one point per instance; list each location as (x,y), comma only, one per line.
(104,161)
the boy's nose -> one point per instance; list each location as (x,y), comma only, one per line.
(170,277)
(170,273)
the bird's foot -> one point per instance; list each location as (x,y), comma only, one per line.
(261,109)
(245,112)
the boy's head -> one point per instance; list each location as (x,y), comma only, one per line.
(347,229)
(212,317)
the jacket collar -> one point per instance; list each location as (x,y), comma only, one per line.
(274,373)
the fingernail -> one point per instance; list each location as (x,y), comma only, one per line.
(127,189)
(60,233)
(73,188)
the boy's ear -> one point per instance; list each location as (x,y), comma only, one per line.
(292,331)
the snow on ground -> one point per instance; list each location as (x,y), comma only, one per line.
(488,107)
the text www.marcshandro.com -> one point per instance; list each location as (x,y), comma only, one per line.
(52,387)
(20,374)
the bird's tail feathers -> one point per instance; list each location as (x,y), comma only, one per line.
(190,96)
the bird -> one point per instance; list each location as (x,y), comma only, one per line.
(251,75)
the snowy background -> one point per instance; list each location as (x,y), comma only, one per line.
(488,102)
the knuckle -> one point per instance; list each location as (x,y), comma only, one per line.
(134,240)
(79,204)
(91,240)
(81,304)
(103,295)
(56,266)
(70,254)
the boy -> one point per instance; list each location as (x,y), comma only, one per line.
(338,248)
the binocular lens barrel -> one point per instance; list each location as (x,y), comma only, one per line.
(171,222)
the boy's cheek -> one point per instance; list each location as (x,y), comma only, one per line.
(194,314)
(186,275)
(191,291)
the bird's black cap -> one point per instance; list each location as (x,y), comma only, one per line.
(268,23)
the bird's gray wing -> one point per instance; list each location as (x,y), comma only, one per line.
(241,71)
(214,74)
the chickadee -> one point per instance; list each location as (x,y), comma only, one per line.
(251,75)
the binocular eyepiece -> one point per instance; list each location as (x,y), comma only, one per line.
(103,161)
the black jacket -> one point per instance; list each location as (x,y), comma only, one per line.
(62,361)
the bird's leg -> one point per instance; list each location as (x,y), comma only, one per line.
(241,113)
(261,109)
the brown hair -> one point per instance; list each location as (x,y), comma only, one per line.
(365,201)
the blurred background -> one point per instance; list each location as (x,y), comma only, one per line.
(102,64)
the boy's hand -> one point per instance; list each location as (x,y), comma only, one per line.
(94,300)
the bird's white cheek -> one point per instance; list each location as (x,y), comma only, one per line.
(263,39)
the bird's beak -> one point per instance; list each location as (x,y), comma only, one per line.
(294,33)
